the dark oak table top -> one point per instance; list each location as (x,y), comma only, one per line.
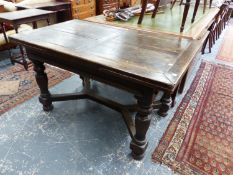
(23,14)
(43,5)
(155,60)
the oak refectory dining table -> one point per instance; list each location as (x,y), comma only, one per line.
(139,62)
(61,8)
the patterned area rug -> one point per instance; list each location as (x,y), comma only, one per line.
(226,51)
(27,87)
(199,139)
(9,87)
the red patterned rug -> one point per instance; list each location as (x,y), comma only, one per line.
(199,139)
(28,87)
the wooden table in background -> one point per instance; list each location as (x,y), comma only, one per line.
(62,9)
(168,22)
(137,61)
(16,18)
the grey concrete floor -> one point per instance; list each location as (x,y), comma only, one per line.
(79,137)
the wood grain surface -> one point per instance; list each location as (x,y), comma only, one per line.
(155,60)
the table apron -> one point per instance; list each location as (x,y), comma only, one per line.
(64,7)
(30,20)
(99,73)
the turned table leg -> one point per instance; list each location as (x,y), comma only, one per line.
(144,4)
(23,54)
(48,21)
(186,9)
(156,8)
(182,84)
(24,61)
(34,24)
(172,4)
(42,81)
(210,5)
(173,97)
(166,103)
(181,2)
(139,144)
(86,82)
(204,8)
(195,10)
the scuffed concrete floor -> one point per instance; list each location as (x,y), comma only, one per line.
(79,137)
